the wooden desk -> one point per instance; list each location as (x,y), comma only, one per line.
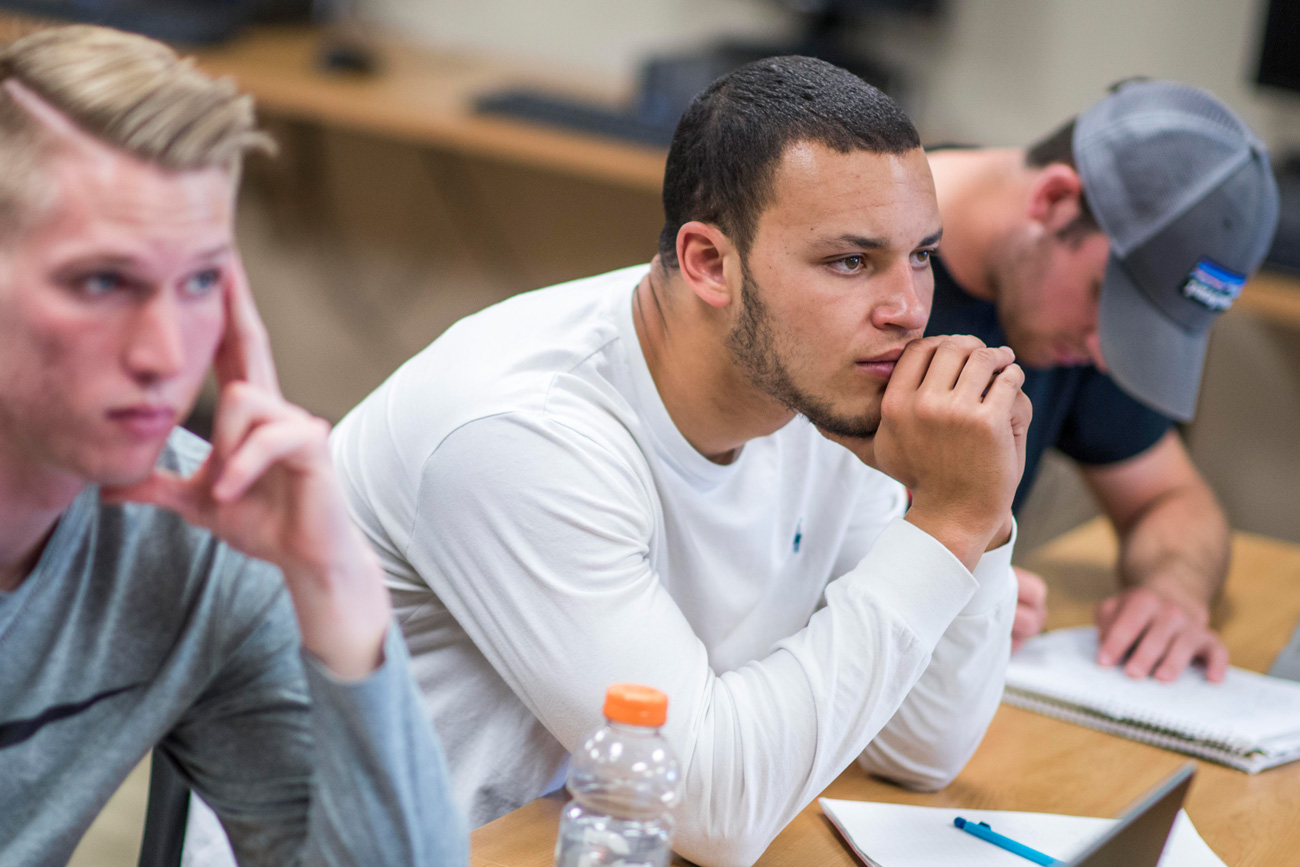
(1032,762)
(425,97)
(1274,296)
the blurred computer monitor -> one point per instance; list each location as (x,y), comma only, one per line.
(1279,53)
(190,22)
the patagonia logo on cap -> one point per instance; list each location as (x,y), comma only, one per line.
(1214,286)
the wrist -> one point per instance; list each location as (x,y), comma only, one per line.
(343,615)
(1183,593)
(1003,534)
(966,543)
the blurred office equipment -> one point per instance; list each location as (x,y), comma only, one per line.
(1287,663)
(1279,67)
(190,22)
(822,28)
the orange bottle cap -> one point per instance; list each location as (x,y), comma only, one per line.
(636,705)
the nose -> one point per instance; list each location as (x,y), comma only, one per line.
(154,350)
(905,302)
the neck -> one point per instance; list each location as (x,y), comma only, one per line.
(981,197)
(711,402)
(31,500)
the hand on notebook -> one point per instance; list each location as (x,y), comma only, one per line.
(1031,607)
(1160,633)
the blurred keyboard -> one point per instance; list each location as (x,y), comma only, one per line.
(572,114)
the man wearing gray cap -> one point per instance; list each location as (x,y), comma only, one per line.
(1102,255)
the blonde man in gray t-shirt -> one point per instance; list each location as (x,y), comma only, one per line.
(135,611)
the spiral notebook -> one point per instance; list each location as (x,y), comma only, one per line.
(1250,721)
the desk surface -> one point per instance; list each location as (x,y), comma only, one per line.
(1032,762)
(426,97)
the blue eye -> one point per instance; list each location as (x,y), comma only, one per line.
(101,283)
(203,282)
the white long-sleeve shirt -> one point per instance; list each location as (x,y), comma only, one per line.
(547,531)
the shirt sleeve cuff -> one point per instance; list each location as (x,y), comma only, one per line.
(994,575)
(377,682)
(919,579)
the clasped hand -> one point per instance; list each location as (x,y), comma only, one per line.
(952,429)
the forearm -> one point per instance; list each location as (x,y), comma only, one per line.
(944,717)
(380,790)
(1178,546)
(825,694)
(342,608)
(303,767)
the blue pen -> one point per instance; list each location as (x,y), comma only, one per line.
(984,832)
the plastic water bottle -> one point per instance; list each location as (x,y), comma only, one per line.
(623,780)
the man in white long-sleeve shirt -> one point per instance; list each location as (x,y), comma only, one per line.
(688,475)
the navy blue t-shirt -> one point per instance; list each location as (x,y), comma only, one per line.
(1079,410)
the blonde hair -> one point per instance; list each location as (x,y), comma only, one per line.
(127,91)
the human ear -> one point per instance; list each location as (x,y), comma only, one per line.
(703,252)
(1055,197)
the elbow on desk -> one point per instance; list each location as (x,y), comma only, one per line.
(928,773)
(725,838)
(739,850)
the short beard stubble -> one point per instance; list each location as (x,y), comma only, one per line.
(752,346)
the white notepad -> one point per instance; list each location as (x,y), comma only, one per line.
(1250,721)
(898,835)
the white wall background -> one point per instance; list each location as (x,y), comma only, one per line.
(988,71)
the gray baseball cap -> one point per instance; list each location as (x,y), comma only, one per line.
(1184,191)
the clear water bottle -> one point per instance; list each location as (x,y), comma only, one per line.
(624,780)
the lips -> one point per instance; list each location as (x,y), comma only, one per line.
(880,366)
(145,421)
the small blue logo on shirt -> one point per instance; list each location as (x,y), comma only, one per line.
(1213,286)
(798,535)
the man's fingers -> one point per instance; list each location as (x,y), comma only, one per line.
(1216,660)
(909,370)
(1105,614)
(1004,392)
(1031,589)
(1155,643)
(1022,410)
(1132,618)
(1186,646)
(1028,622)
(267,445)
(951,357)
(983,369)
(240,407)
(245,350)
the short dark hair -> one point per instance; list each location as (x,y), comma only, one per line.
(1058,147)
(728,143)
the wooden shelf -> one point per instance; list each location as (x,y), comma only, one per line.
(426,98)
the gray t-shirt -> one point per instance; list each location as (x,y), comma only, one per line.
(136,629)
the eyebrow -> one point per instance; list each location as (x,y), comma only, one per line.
(127,261)
(219,250)
(864,243)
